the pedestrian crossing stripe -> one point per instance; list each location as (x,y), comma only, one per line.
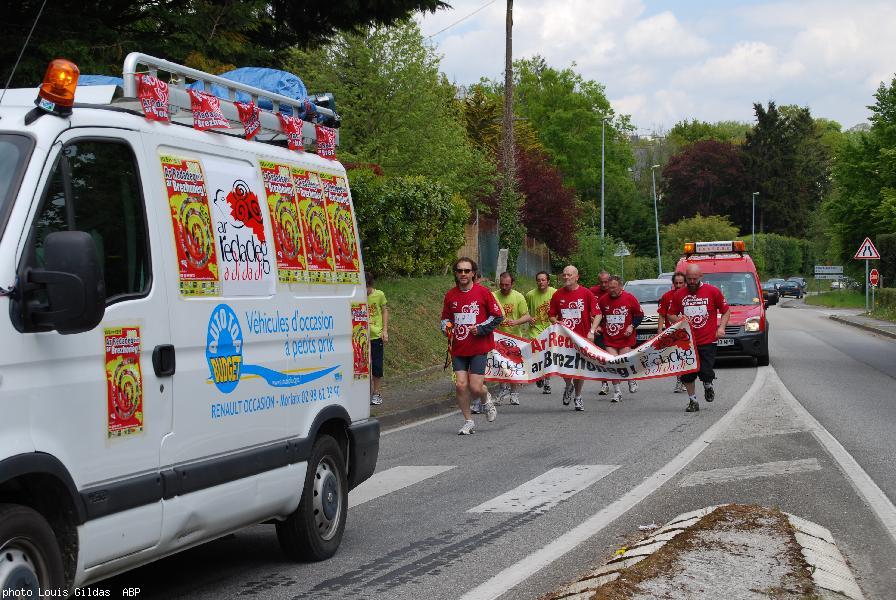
(392,480)
(547,490)
(867,251)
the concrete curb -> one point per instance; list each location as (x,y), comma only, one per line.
(829,569)
(859,325)
(422,411)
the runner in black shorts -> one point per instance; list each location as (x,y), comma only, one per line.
(470,315)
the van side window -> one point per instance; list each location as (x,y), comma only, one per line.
(94,187)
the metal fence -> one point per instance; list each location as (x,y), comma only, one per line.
(481,244)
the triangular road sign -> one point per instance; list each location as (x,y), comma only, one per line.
(867,251)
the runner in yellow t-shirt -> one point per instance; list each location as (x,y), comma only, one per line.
(516,316)
(539,302)
(379,336)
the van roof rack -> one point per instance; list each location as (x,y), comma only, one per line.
(179,99)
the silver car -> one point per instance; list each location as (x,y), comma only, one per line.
(648,292)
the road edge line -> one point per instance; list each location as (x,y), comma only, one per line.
(510,577)
(883,508)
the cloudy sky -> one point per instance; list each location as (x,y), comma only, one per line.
(666,61)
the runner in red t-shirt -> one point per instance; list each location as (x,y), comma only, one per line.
(470,315)
(574,307)
(664,319)
(701,304)
(620,316)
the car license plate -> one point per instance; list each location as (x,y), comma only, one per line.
(724,342)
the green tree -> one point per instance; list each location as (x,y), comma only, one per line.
(398,111)
(863,202)
(789,166)
(695,229)
(685,133)
(208,34)
(567,111)
(408,225)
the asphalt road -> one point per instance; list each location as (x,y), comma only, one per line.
(499,512)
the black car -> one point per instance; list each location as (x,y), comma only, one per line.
(790,288)
(801,281)
(770,292)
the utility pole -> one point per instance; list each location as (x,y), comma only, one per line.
(508,209)
(603,128)
(509,158)
(656,216)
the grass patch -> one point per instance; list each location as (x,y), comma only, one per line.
(838,299)
(886,313)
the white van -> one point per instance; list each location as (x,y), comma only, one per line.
(184,333)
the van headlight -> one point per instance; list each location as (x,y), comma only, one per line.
(751,325)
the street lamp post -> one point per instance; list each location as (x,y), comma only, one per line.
(603,127)
(656,215)
(753,223)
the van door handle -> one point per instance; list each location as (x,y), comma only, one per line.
(163,360)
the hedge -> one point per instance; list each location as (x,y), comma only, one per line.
(886,245)
(781,256)
(408,225)
(885,298)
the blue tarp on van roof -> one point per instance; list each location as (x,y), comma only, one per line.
(271,80)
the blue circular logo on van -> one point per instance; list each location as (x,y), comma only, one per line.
(224,348)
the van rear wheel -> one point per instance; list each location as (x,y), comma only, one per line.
(29,554)
(314,531)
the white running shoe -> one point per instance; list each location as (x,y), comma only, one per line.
(503,394)
(632,387)
(476,408)
(679,386)
(604,388)
(514,398)
(469,428)
(490,411)
(617,397)
(376,399)
(578,403)
(568,391)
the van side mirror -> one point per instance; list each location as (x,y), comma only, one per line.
(75,291)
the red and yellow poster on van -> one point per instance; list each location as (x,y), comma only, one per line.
(316,228)
(124,381)
(342,226)
(197,261)
(289,242)
(361,340)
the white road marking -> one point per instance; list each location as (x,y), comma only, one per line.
(547,490)
(874,496)
(528,566)
(416,423)
(391,480)
(771,469)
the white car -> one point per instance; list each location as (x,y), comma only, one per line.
(648,292)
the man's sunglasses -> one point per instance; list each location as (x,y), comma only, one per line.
(463,270)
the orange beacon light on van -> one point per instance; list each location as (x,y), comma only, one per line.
(57,92)
(714,247)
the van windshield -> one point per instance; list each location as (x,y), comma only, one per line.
(739,289)
(14,152)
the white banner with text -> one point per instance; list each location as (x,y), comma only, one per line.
(559,351)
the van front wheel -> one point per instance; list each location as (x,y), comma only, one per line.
(29,554)
(313,532)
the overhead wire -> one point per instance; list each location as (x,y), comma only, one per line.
(462,19)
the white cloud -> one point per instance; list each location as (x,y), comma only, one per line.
(662,36)
(663,62)
(745,63)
